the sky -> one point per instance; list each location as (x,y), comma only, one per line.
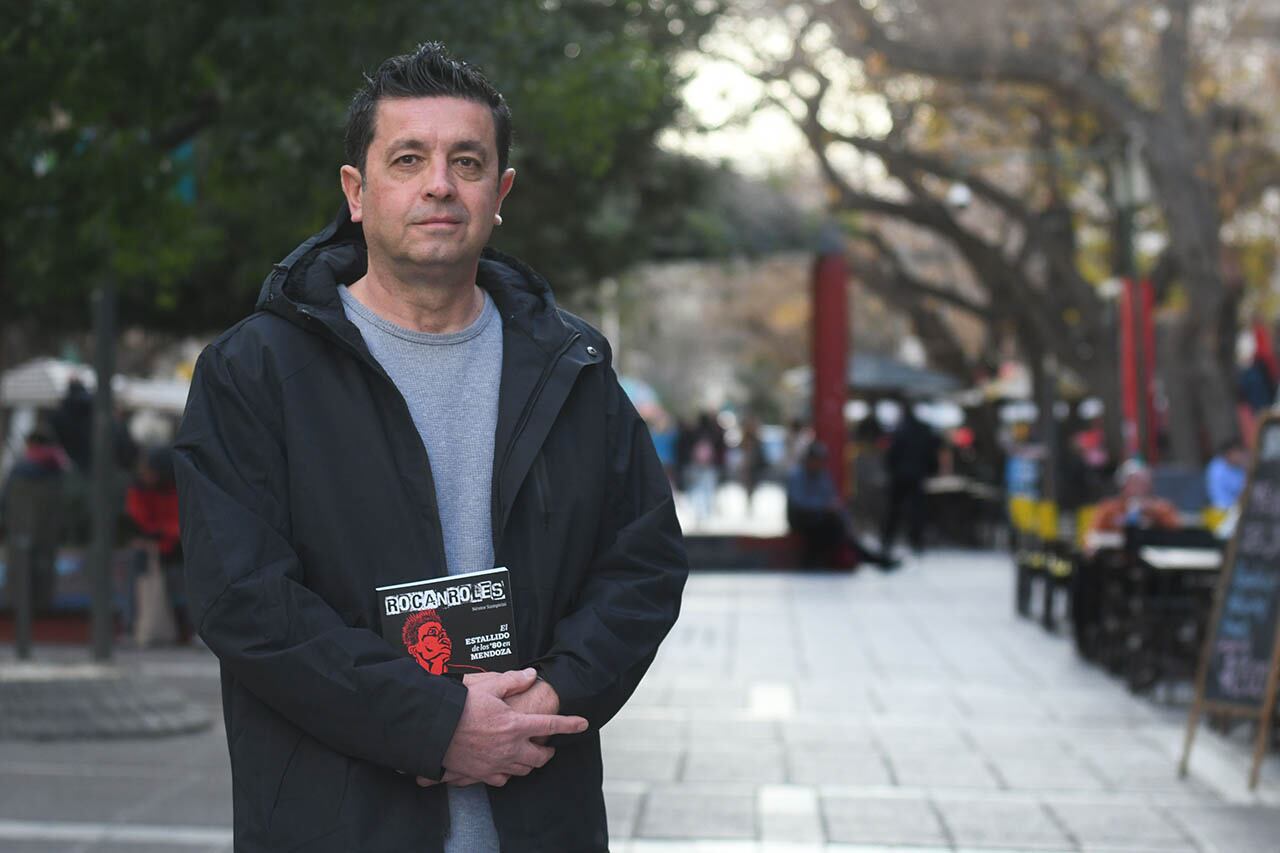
(717,95)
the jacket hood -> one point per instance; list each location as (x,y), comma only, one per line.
(305,283)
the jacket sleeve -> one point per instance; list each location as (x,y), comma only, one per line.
(631,597)
(342,685)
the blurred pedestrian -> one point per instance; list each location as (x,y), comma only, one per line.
(665,434)
(752,462)
(72,424)
(702,472)
(911,460)
(406,404)
(1224,478)
(159,613)
(799,436)
(816,514)
(31,514)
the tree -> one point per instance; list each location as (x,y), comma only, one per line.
(183,148)
(1024,101)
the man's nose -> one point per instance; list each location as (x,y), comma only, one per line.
(438,183)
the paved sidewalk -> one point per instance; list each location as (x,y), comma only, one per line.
(866,712)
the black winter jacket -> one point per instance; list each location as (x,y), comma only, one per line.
(304,485)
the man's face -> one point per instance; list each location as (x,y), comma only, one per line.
(433,648)
(1138,485)
(431,186)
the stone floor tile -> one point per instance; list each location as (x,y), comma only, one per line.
(1145,774)
(807,733)
(836,766)
(631,730)
(1128,825)
(704,731)
(739,765)
(678,812)
(719,697)
(1231,829)
(870,820)
(942,771)
(1050,772)
(641,765)
(1002,824)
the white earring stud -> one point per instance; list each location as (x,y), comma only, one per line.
(497,219)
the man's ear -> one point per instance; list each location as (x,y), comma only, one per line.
(352,187)
(504,185)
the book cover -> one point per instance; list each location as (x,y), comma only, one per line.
(454,624)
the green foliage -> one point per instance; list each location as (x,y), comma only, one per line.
(182,148)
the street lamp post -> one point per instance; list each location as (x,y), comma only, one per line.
(104,484)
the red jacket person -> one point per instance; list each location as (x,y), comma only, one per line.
(406,403)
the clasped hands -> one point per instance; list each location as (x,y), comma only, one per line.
(503,730)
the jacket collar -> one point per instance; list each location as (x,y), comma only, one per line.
(304,286)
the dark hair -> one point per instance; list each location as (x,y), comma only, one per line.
(159,461)
(41,437)
(427,72)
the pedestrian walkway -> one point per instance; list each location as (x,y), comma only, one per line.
(787,712)
(873,711)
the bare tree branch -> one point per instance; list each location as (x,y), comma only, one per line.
(856,29)
(918,286)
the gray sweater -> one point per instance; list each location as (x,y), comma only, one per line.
(450,383)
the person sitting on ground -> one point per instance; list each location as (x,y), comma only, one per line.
(816,515)
(1225,477)
(1135,505)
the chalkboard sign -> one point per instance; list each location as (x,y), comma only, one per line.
(1243,639)
(1238,666)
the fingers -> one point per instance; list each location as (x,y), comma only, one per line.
(545,725)
(534,755)
(474,677)
(510,683)
(424,782)
(498,780)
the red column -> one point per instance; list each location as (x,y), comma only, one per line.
(1148,302)
(1137,368)
(830,327)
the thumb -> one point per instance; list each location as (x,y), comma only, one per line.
(514,682)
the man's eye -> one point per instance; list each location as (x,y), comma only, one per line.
(468,162)
(407,159)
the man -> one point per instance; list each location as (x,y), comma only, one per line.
(912,459)
(406,403)
(816,514)
(1225,477)
(31,514)
(1135,505)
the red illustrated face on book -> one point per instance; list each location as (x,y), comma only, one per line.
(425,638)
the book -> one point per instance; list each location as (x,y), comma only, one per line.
(454,624)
